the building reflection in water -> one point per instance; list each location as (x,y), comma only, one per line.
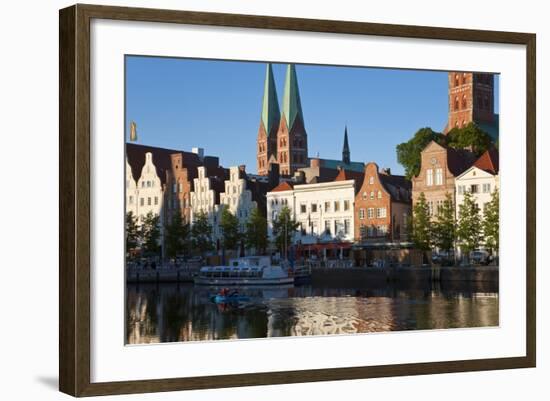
(173,313)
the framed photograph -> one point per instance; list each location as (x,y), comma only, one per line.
(250,200)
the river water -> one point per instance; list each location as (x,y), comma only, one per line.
(184,312)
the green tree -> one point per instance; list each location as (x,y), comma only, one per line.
(132,232)
(229,224)
(491,222)
(444,226)
(176,239)
(408,153)
(284,228)
(201,232)
(421,227)
(256,231)
(150,233)
(469,137)
(469,229)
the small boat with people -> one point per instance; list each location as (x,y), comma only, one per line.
(226,296)
(248,270)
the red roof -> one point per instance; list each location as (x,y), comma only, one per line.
(488,161)
(283,186)
(344,175)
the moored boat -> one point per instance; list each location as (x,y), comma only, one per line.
(249,270)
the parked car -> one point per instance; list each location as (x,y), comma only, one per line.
(480,257)
(443,258)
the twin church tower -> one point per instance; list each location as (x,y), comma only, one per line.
(282,137)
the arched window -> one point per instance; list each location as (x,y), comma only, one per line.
(456,80)
(464,102)
(464,78)
(456,103)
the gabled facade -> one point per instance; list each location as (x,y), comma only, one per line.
(205,199)
(438,169)
(382,206)
(481,180)
(237,197)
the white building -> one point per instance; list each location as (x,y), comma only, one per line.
(324,211)
(481,180)
(204,199)
(237,197)
(131,191)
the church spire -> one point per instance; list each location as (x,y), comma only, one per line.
(345,151)
(270,107)
(292,106)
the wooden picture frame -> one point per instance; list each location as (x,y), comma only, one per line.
(75,206)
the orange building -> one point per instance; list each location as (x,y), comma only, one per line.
(382,206)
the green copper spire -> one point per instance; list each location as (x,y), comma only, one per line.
(292,107)
(270,108)
(345,152)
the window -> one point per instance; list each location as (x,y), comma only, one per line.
(314,208)
(327,206)
(382,230)
(346,205)
(379,194)
(174,188)
(157,200)
(464,102)
(346,226)
(149,201)
(143,184)
(460,189)
(327,227)
(372,195)
(303,208)
(439,176)
(456,103)
(370,213)
(430,208)
(380,212)
(486,188)
(336,206)
(456,80)
(131,200)
(149,184)
(371,180)
(370,231)
(364,196)
(313,227)
(440,204)
(338,227)
(474,188)
(361,213)
(429,177)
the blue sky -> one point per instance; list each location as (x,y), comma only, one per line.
(216,105)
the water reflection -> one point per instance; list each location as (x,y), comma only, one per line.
(183,312)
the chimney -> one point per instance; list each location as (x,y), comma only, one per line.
(386,171)
(242,171)
(315,162)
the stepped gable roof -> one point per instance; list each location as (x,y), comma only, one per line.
(283,186)
(271,114)
(161,159)
(292,106)
(488,161)
(459,160)
(397,185)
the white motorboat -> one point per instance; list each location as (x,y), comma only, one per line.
(249,270)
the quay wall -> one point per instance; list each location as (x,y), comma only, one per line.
(479,278)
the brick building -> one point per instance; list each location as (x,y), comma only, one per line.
(471,99)
(440,166)
(382,206)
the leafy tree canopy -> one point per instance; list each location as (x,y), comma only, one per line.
(229,223)
(421,227)
(201,232)
(177,236)
(471,137)
(256,232)
(408,153)
(284,228)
